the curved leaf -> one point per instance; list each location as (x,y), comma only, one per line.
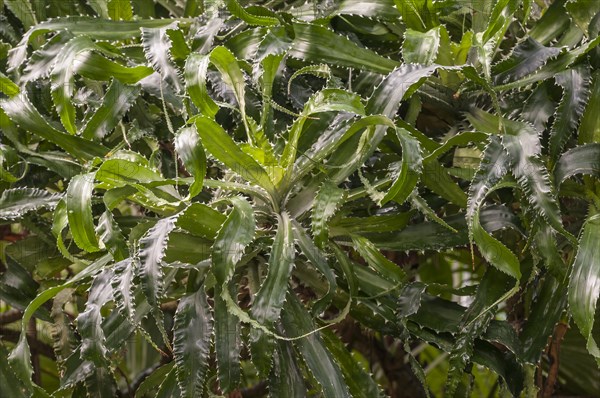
(22,112)
(80,25)
(116,102)
(411,167)
(79,212)
(196,68)
(584,159)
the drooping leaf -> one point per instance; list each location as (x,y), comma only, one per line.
(584,284)
(318,359)
(407,176)
(269,299)
(192,332)
(227,342)
(584,159)
(151,251)
(286,379)
(15,203)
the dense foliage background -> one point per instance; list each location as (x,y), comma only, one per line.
(331,198)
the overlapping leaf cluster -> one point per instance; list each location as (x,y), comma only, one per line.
(230,183)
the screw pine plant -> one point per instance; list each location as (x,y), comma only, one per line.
(337,199)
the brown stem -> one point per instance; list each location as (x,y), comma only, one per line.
(10,316)
(258,390)
(553,357)
(35,345)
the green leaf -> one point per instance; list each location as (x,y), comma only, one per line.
(169,388)
(120,10)
(494,288)
(253,16)
(232,75)
(157,46)
(319,261)
(152,382)
(378,261)
(7,86)
(89,322)
(359,381)
(110,234)
(317,44)
(116,102)
(584,159)
(196,68)
(96,67)
(325,205)
(491,170)
(575,85)
(317,357)
(527,57)
(79,212)
(421,47)
(15,203)
(192,332)
(228,342)
(584,288)
(8,379)
(411,167)
(151,251)
(22,112)
(551,68)
(543,317)
(222,147)
(320,70)
(235,234)
(589,129)
(89,26)
(433,236)
(201,220)
(522,143)
(396,86)
(286,379)
(63,81)
(326,100)
(417,14)
(269,299)
(190,150)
